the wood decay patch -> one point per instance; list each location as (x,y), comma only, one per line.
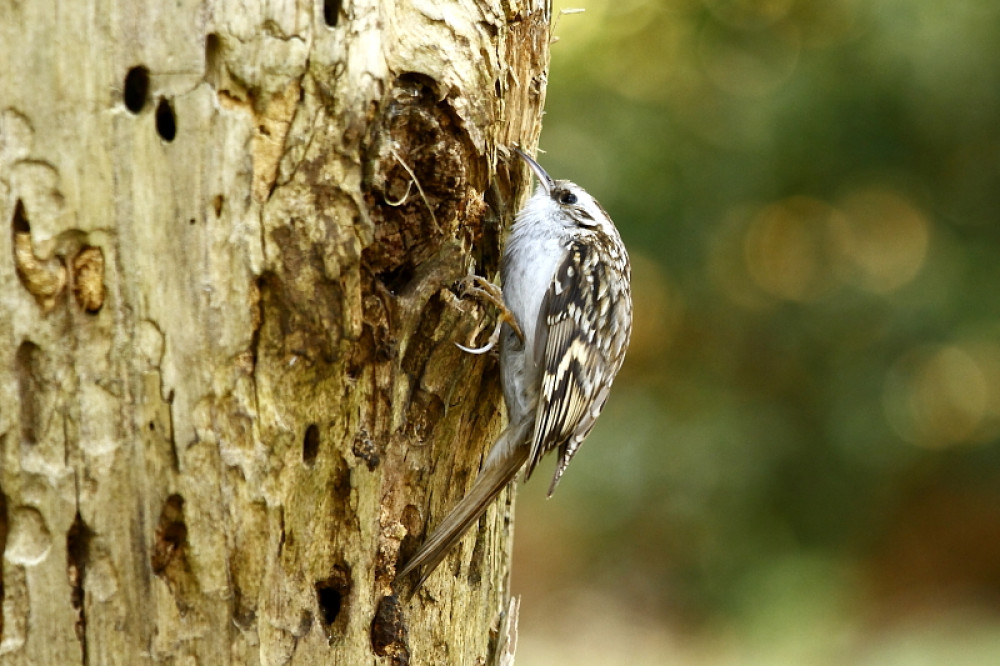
(389,633)
(271,113)
(88,279)
(272,121)
(422,178)
(44,279)
(169,558)
(308,322)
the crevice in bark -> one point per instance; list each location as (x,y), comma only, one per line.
(257,317)
(28,380)
(498,214)
(340,487)
(475,575)
(376,344)
(396,278)
(414,531)
(3,540)
(175,461)
(77,554)
(282,534)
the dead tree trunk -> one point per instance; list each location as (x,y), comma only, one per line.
(229,393)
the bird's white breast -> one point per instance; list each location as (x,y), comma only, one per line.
(534,251)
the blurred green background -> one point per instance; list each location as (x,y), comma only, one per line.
(800,462)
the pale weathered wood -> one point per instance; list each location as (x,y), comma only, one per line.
(229,393)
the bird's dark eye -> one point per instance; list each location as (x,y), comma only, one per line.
(567,198)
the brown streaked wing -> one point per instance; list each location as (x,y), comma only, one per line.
(575,367)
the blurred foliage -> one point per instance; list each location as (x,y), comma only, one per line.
(805,433)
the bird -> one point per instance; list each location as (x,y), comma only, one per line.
(564,327)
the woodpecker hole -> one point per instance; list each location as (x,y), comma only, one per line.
(310,444)
(136,89)
(333,596)
(331,12)
(329,603)
(166,124)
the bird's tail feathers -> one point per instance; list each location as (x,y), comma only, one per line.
(498,471)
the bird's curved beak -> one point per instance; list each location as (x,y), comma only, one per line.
(543,177)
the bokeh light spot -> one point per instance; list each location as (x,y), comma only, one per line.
(658,310)
(788,249)
(883,238)
(749,63)
(937,396)
(727,266)
(749,14)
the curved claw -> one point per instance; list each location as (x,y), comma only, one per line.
(477,350)
(490,344)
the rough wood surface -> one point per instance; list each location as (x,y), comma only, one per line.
(229,393)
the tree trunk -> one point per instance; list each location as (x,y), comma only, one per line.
(230,402)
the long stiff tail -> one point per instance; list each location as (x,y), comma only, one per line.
(501,467)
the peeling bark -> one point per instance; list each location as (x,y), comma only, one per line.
(230,402)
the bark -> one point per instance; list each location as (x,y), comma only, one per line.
(230,402)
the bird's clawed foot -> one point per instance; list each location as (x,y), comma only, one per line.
(484,290)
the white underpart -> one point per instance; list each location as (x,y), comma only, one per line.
(524,288)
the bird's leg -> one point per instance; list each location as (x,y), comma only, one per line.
(484,290)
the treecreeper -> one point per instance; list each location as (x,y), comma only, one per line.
(565,320)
